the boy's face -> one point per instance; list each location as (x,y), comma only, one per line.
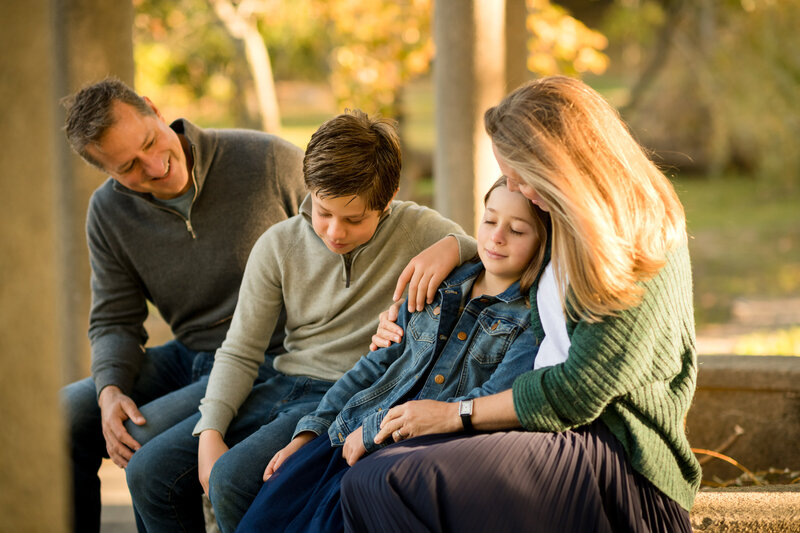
(344,222)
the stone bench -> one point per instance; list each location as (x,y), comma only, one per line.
(763,509)
(747,408)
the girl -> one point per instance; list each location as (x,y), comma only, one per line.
(473,340)
(605,448)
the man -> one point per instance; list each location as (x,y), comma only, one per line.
(173,226)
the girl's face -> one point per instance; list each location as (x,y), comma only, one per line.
(517,184)
(507,238)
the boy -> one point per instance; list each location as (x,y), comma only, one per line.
(333,268)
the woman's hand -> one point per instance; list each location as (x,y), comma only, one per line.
(426,271)
(421,417)
(209,450)
(278,459)
(354,446)
(388,331)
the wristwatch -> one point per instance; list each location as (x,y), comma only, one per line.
(465,410)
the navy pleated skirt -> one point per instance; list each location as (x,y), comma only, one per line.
(302,495)
(576,481)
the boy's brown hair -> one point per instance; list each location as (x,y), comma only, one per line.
(353,154)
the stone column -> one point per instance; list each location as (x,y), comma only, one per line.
(469,77)
(93,39)
(516,44)
(32,463)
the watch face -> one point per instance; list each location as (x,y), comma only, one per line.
(465,408)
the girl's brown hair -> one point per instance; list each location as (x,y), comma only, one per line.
(614,215)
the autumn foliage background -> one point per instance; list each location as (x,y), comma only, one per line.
(710,86)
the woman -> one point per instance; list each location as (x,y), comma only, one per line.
(604,447)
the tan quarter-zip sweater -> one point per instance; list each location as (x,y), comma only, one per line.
(331,306)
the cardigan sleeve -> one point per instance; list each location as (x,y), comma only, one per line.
(613,359)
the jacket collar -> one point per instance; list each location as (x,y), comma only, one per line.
(471,271)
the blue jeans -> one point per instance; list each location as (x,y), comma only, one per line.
(163,477)
(170,385)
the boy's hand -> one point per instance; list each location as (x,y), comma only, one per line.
(388,331)
(354,446)
(210,449)
(425,272)
(277,460)
(115,408)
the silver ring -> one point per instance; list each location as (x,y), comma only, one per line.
(397,435)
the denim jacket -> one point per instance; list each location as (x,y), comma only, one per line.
(443,355)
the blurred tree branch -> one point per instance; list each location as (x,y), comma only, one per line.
(241,20)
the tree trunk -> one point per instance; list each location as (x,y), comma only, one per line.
(242,24)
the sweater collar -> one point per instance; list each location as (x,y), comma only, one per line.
(202,143)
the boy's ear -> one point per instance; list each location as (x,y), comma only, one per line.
(392,198)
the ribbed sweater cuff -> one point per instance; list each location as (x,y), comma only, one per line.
(533,411)
(215,417)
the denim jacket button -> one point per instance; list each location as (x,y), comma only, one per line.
(442,337)
(439,379)
(437,310)
(462,336)
(494,326)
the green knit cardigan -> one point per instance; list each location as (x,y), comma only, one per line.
(636,372)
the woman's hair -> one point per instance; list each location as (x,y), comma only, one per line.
(614,215)
(540,222)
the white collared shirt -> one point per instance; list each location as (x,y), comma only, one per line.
(555,346)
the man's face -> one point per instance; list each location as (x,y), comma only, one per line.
(143,153)
(343,223)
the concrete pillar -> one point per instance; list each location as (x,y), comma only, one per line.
(93,39)
(32,462)
(516,44)
(469,77)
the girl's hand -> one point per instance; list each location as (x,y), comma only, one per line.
(277,460)
(388,331)
(426,271)
(421,417)
(354,446)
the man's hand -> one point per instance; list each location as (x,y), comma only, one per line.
(354,446)
(388,331)
(277,460)
(115,408)
(210,449)
(426,271)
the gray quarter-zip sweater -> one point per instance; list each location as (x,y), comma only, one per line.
(332,302)
(189,268)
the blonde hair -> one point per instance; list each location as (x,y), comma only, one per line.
(614,214)
(540,223)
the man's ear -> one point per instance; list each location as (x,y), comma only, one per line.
(152,106)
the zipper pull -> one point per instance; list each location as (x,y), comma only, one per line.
(190,228)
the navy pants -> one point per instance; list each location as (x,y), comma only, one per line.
(303,494)
(577,481)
